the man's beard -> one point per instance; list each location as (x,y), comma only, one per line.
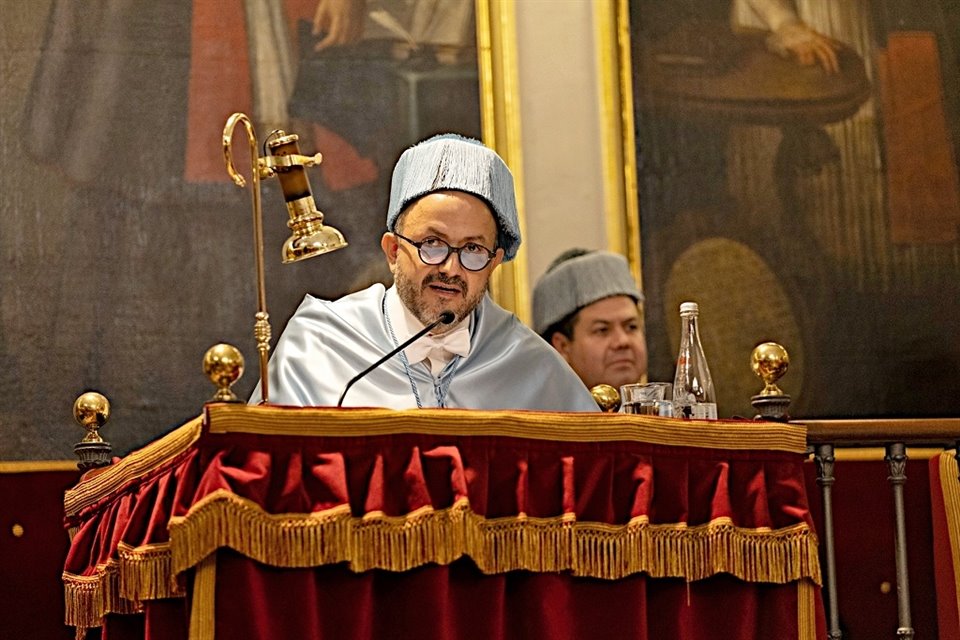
(427,312)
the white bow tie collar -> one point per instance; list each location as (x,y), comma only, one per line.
(436,348)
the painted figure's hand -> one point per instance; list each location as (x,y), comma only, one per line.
(341,22)
(809,47)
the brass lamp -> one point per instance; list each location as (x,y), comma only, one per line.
(310,237)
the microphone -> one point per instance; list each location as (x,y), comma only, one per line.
(447,317)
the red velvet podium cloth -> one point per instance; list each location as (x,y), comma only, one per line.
(273,522)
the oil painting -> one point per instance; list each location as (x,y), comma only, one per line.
(798,177)
(127,251)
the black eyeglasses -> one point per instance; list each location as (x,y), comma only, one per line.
(434,251)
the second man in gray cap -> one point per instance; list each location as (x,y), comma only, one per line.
(587,305)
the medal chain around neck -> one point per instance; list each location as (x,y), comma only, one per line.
(403,356)
(441,386)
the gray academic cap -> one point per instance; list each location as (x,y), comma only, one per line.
(453,162)
(577,282)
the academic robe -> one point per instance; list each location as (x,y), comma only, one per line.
(325,344)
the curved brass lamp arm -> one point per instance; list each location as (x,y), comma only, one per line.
(261,329)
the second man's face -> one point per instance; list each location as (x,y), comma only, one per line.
(426,290)
(608,344)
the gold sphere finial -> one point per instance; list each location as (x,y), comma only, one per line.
(769,361)
(223,364)
(608,399)
(91,410)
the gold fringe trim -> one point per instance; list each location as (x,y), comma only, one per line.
(806,610)
(146,574)
(119,586)
(203,607)
(89,598)
(495,545)
(950,485)
(131,467)
(400,543)
(661,550)
(536,425)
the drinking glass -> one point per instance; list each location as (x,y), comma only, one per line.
(649,399)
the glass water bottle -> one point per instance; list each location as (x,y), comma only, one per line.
(693,394)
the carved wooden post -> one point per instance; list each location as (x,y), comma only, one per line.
(897,460)
(824,460)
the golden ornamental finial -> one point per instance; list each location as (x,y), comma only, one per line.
(769,361)
(91,410)
(607,398)
(223,365)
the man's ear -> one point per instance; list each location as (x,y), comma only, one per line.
(497,259)
(390,247)
(561,343)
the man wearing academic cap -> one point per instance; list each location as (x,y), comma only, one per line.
(452,219)
(587,305)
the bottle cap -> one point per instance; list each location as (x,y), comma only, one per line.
(689,307)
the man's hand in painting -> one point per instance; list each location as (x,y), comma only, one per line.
(809,47)
(338,22)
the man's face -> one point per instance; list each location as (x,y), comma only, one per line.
(608,344)
(457,218)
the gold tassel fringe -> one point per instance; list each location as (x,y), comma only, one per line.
(806,610)
(145,573)
(400,543)
(203,616)
(496,545)
(89,598)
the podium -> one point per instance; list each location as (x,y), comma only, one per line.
(276,522)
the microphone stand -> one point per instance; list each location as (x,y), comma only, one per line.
(446,317)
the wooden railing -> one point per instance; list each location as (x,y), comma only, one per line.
(896,436)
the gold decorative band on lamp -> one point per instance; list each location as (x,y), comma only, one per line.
(310,236)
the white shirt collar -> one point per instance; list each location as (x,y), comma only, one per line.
(438,350)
